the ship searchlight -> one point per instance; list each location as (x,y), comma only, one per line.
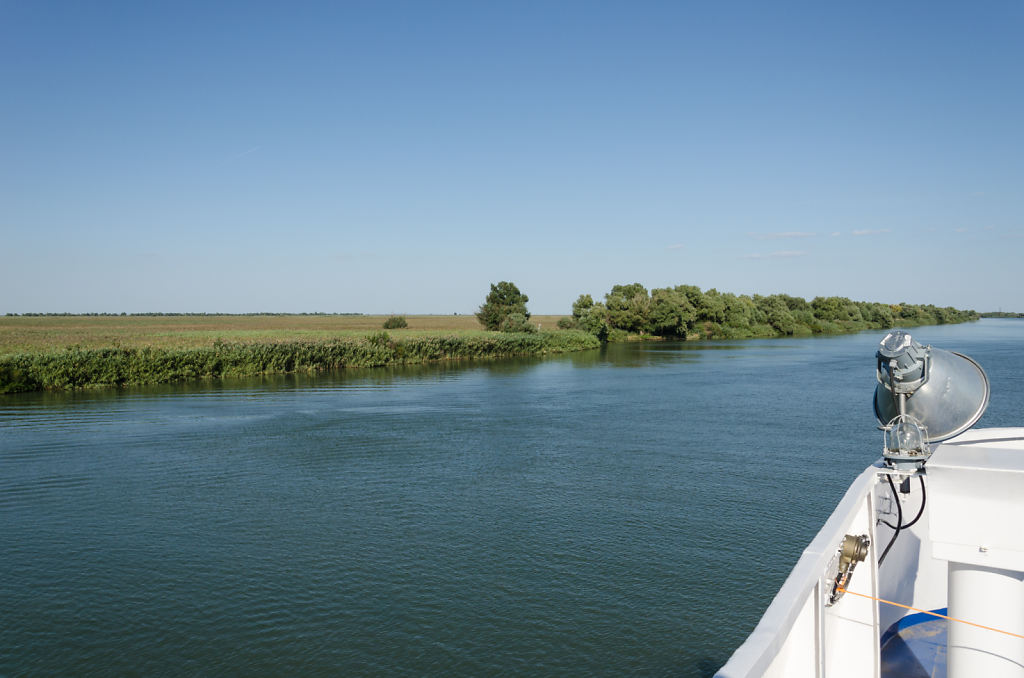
(924,395)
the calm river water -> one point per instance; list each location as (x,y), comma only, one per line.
(625,511)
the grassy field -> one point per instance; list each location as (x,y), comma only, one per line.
(68,352)
(43,334)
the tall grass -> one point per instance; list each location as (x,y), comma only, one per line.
(120,366)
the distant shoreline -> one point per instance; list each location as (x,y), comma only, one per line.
(65,352)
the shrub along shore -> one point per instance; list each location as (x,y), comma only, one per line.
(124,366)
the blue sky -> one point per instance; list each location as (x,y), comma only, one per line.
(397,157)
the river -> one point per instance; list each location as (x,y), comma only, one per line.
(631,510)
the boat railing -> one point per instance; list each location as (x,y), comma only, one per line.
(792,638)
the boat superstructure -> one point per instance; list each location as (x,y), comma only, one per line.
(919,571)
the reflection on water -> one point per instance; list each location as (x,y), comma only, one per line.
(585,514)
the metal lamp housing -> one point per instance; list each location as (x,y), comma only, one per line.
(944,392)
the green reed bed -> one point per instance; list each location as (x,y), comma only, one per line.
(122,366)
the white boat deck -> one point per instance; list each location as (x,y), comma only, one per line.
(973,488)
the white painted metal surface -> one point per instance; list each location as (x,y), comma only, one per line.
(994,598)
(977,482)
(792,639)
(978,527)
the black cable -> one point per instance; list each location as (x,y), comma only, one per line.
(899,521)
(920,511)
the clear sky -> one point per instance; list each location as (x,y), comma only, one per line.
(397,157)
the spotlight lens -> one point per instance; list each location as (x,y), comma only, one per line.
(905,436)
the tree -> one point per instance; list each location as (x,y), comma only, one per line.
(711,308)
(503,300)
(672,314)
(582,306)
(777,312)
(829,308)
(629,307)
(594,319)
(589,317)
(580,309)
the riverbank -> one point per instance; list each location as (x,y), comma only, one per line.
(77,367)
(59,352)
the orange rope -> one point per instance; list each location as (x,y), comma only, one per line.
(934,614)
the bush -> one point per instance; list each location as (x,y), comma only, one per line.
(516,322)
(15,378)
(395,322)
(379,339)
(616,335)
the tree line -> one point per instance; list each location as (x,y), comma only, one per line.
(684,311)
